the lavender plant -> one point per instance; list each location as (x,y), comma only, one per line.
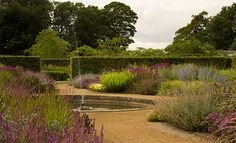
(191,72)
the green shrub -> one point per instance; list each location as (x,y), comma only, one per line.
(168,73)
(100,64)
(57,75)
(234,62)
(96,87)
(187,111)
(170,87)
(194,102)
(154,117)
(229,73)
(30,62)
(117,81)
(49,45)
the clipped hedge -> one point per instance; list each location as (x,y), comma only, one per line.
(57,75)
(99,64)
(234,62)
(27,62)
(56,62)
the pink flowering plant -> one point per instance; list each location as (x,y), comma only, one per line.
(223,124)
(26,116)
(147,78)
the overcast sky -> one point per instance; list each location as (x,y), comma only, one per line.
(159,19)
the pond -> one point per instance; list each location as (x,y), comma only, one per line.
(109,103)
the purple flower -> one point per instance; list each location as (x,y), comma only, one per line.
(160,66)
(8,68)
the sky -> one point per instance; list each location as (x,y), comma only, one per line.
(159,19)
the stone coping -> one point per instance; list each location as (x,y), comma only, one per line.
(65,89)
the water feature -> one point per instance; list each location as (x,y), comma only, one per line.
(82,105)
(109,103)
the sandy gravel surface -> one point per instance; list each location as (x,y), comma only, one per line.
(132,127)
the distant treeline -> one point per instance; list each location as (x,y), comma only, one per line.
(22,20)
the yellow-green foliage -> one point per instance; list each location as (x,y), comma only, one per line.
(170,87)
(117,81)
(49,45)
(229,73)
(97,87)
(185,87)
(154,117)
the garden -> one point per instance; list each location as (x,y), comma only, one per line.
(191,96)
(32,111)
(69,73)
(201,98)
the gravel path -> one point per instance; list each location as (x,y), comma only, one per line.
(132,127)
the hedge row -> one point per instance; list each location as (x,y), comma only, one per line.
(234,62)
(27,62)
(57,75)
(99,64)
(56,62)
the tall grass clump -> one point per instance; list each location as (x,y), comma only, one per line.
(117,81)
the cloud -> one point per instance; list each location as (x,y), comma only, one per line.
(159,19)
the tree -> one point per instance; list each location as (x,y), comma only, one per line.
(49,45)
(195,29)
(221,29)
(64,15)
(84,51)
(233,45)
(89,26)
(190,46)
(120,21)
(20,22)
(115,45)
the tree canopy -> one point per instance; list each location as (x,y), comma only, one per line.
(218,31)
(22,20)
(49,45)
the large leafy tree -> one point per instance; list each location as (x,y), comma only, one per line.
(218,31)
(196,28)
(89,26)
(20,22)
(190,46)
(221,29)
(49,45)
(115,45)
(121,20)
(64,15)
